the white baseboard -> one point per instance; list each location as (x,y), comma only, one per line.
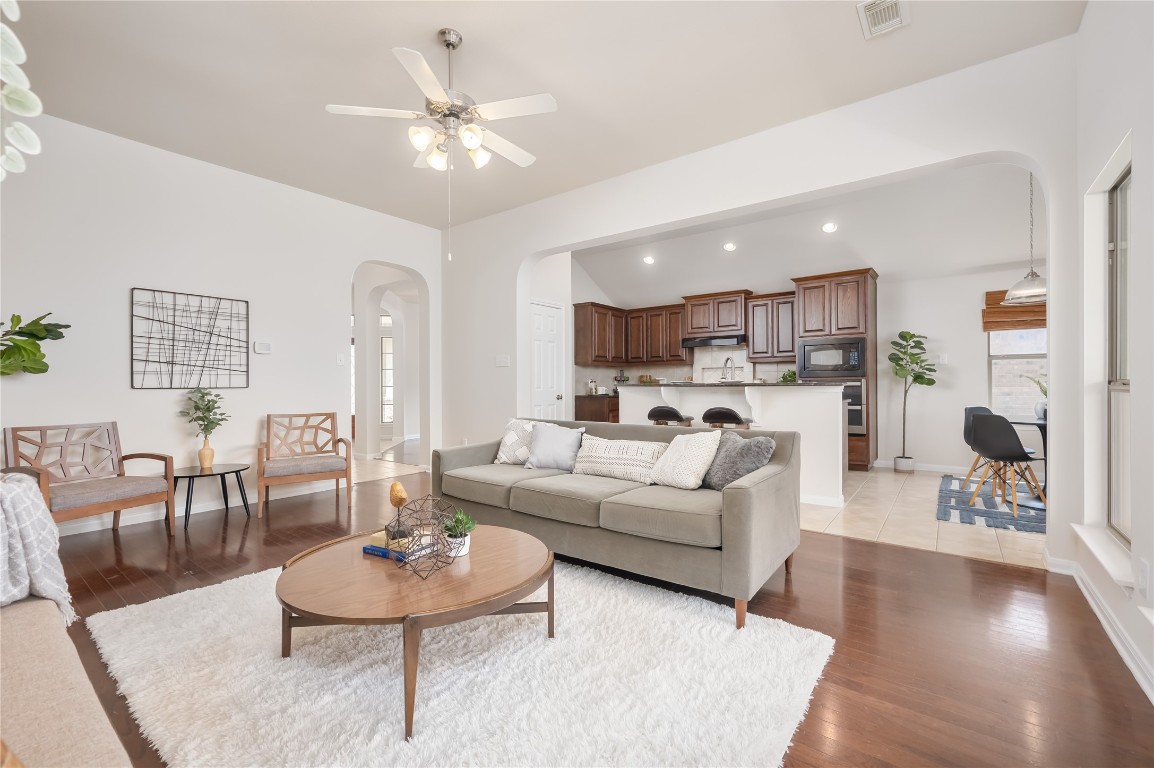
(156,511)
(919,467)
(823,501)
(1123,643)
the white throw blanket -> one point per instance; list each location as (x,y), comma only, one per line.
(29,546)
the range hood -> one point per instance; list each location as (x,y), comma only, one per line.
(715,341)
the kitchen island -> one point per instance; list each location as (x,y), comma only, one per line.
(816,410)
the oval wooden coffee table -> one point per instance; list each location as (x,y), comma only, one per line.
(336,583)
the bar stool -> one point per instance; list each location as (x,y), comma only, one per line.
(996,441)
(667,415)
(720,417)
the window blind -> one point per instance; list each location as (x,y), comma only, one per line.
(996,317)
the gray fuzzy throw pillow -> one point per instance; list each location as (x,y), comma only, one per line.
(737,457)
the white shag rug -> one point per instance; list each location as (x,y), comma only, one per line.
(636,675)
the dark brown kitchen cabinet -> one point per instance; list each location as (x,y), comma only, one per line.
(597,408)
(770,328)
(599,333)
(636,330)
(674,333)
(835,304)
(715,314)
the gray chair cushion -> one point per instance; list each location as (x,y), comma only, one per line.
(668,514)
(304,465)
(83,493)
(568,498)
(489,483)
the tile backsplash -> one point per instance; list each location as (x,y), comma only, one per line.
(707,363)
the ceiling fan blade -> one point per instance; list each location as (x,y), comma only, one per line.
(508,149)
(518,107)
(418,69)
(407,114)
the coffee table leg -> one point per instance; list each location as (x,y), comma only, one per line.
(550,603)
(187,502)
(412,654)
(286,633)
(243,495)
(224,493)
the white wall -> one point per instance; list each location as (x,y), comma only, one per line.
(1115,97)
(584,288)
(949,311)
(98,215)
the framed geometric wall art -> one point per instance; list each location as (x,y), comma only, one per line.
(185,340)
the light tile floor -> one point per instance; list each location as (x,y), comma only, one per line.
(365,470)
(900,509)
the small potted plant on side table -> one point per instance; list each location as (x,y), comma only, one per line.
(459,528)
(204,411)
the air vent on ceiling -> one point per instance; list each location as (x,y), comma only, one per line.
(878,16)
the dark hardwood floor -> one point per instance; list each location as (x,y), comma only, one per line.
(940,660)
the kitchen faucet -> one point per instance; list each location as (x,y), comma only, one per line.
(728,370)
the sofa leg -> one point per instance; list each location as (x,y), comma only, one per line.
(789,564)
(740,605)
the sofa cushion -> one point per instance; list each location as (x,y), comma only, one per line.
(668,514)
(517,442)
(737,457)
(568,498)
(622,459)
(82,493)
(554,447)
(304,465)
(687,460)
(489,483)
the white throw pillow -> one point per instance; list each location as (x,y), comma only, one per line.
(517,443)
(622,459)
(554,447)
(687,460)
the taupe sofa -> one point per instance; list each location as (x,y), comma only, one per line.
(728,542)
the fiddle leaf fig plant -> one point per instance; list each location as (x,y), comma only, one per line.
(20,344)
(204,410)
(910,362)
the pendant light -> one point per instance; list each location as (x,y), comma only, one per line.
(1031,289)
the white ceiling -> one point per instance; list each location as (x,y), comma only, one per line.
(243,84)
(951,222)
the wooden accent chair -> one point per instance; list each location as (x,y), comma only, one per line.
(301,448)
(81,471)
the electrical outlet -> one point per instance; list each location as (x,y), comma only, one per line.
(942,359)
(340,359)
(1144,579)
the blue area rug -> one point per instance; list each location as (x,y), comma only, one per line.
(954,507)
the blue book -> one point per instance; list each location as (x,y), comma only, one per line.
(388,554)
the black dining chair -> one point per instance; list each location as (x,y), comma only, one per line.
(968,435)
(996,441)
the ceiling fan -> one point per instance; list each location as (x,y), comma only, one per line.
(456,115)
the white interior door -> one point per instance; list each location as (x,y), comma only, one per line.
(548,361)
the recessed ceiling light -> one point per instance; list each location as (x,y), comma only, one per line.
(731,247)
(648,259)
(829,227)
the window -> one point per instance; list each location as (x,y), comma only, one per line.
(1017,357)
(386,379)
(1118,383)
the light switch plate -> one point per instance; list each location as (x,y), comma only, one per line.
(502,361)
(262,348)
(340,359)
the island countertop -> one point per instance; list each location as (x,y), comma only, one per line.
(740,384)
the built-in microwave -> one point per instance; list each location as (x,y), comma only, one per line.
(841,358)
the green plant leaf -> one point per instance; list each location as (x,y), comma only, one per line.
(21,101)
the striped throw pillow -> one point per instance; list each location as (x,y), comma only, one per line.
(621,459)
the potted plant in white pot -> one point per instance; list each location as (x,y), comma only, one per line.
(459,529)
(1041,406)
(910,364)
(204,411)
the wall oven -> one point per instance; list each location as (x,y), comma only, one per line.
(843,358)
(854,391)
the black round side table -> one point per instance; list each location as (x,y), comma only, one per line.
(218,470)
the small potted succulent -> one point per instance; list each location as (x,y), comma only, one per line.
(459,528)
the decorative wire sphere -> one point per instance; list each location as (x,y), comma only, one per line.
(427,548)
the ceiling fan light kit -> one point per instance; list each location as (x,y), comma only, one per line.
(455,114)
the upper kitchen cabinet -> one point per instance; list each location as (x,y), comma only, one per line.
(598,334)
(835,304)
(715,314)
(770,328)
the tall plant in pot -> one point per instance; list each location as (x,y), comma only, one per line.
(910,363)
(204,411)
